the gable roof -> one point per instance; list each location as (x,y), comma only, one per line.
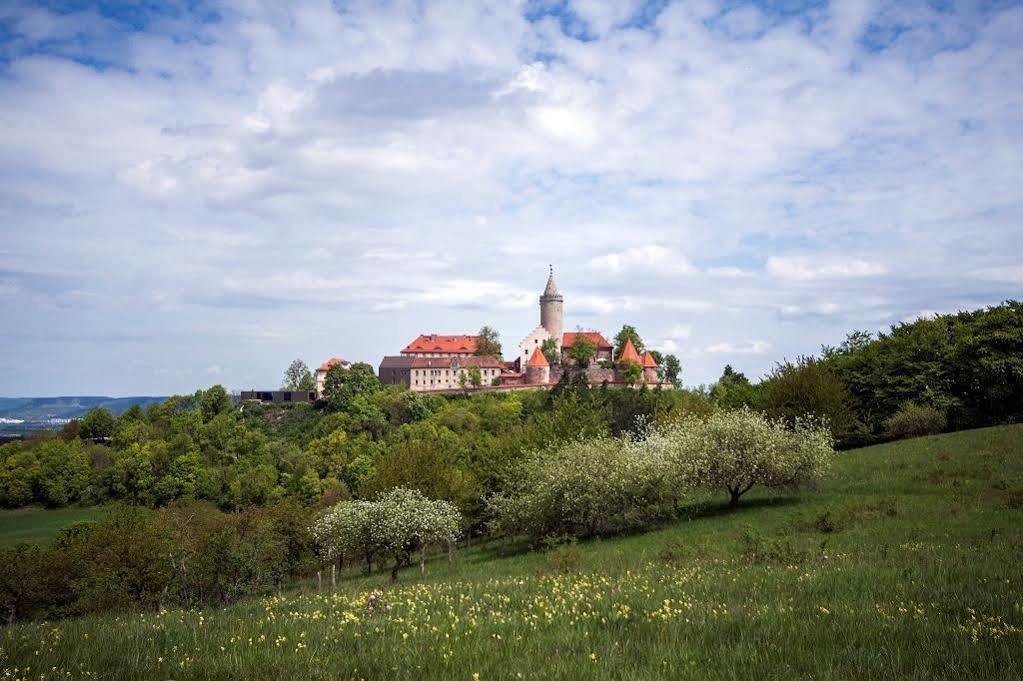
(629,353)
(648,360)
(436,343)
(332,362)
(456,362)
(598,339)
(396,362)
(538,359)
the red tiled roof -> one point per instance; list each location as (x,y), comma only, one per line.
(447,362)
(435,343)
(331,362)
(595,336)
(538,359)
(629,353)
(648,360)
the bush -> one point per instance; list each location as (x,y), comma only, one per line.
(914,420)
(586,488)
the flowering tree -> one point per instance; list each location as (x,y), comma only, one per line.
(586,488)
(408,520)
(346,532)
(741,448)
(398,523)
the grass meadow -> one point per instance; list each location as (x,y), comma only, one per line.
(34,524)
(905,563)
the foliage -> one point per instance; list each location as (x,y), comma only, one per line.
(630,371)
(551,349)
(921,574)
(810,387)
(583,350)
(670,370)
(915,420)
(392,527)
(475,376)
(343,385)
(97,424)
(733,390)
(488,343)
(739,449)
(968,365)
(627,333)
(214,402)
(298,377)
(585,488)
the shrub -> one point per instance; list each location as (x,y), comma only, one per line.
(585,488)
(914,420)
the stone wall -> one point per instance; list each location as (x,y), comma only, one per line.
(595,374)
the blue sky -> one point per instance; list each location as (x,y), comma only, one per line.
(200,192)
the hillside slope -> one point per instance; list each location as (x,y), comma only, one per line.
(905,563)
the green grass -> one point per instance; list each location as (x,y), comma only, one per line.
(904,564)
(38,524)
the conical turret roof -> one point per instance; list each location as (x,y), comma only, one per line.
(551,290)
(628,353)
(649,361)
(538,359)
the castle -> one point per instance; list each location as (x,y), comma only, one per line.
(435,362)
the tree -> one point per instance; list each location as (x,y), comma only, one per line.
(630,372)
(733,390)
(396,524)
(551,349)
(97,424)
(628,333)
(213,402)
(739,449)
(582,350)
(670,369)
(488,343)
(810,386)
(342,385)
(584,488)
(298,377)
(475,377)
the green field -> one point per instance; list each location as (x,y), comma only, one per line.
(905,563)
(38,524)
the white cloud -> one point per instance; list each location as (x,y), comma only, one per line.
(283,175)
(728,272)
(679,331)
(757,347)
(651,258)
(807,268)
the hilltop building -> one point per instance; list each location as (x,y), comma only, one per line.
(433,345)
(434,362)
(321,373)
(421,374)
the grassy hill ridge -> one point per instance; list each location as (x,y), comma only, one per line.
(903,564)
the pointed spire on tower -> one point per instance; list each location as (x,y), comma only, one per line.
(552,288)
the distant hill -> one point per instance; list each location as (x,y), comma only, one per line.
(45,409)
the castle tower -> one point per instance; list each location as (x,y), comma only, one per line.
(649,367)
(551,313)
(538,371)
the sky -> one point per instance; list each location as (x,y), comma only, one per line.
(195,193)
